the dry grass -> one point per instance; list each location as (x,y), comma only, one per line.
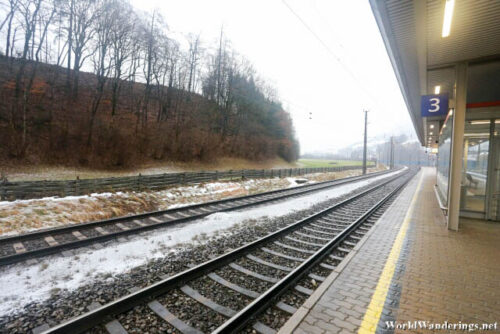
(22,216)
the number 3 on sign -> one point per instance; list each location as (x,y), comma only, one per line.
(434,104)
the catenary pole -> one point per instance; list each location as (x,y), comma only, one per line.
(364,143)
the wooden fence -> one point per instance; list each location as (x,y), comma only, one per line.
(36,189)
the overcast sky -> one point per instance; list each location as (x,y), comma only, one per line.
(333,83)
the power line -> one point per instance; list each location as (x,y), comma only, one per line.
(337,58)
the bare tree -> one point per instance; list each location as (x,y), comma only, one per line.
(13,6)
(152,35)
(33,12)
(122,40)
(194,58)
(107,18)
(29,11)
(84,14)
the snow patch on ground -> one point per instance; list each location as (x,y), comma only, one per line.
(23,283)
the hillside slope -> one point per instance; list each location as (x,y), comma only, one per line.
(44,122)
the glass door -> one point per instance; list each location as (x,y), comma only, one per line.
(475,166)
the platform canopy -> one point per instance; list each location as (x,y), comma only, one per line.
(423,59)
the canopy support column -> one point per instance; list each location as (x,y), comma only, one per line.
(457,144)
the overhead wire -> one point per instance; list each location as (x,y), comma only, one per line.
(329,50)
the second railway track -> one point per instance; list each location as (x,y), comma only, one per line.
(21,247)
(253,288)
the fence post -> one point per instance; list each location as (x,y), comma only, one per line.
(4,188)
(77,186)
(242,174)
(216,175)
(139,182)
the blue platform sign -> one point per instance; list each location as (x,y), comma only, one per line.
(434,105)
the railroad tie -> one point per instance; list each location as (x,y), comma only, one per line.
(253,273)
(350,243)
(285,256)
(156,220)
(19,247)
(101,230)
(310,236)
(123,227)
(334,230)
(140,222)
(318,231)
(304,290)
(286,308)
(205,209)
(232,286)
(327,266)
(114,327)
(245,201)
(304,242)
(40,329)
(316,277)
(183,214)
(51,241)
(226,311)
(169,216)
(307,251)
(269,264)
(263,329)
(163,313)
(335,257)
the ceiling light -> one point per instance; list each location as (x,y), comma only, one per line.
(479,122)
(437,89)
(448,15)
(483,134)
(450,112)
(431,133)
(431,126)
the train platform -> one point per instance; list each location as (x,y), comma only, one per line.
(410,274)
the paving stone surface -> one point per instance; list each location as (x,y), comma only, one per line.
(450,276)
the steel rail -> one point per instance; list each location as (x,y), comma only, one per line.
(92,318)
(43,251)
(265,300)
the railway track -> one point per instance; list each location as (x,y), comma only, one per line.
(253,288)
(21,247)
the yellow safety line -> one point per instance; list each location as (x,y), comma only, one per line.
(374,310)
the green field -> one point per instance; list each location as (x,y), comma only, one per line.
(314,163)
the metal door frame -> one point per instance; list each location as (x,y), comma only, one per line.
(494,147)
